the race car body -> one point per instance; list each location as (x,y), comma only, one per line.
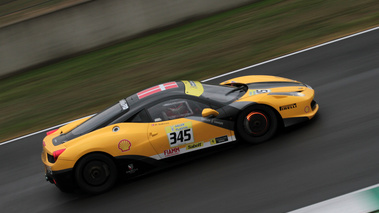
(150,128)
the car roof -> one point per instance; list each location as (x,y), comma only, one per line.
(194,90)
(156,92)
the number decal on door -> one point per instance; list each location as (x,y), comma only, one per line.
(180,134)
(180,137)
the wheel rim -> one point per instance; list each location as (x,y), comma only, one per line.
(256,123)
(96,173)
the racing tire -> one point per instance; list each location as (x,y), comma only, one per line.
(96,173)
(256,124)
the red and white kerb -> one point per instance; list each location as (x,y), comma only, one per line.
(156,89)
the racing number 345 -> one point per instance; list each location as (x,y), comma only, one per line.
(180,137)
(180,134)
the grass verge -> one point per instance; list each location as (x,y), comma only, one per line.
(85,84)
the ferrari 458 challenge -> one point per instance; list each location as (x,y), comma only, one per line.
(157,126)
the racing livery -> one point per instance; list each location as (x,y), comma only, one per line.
(175,120)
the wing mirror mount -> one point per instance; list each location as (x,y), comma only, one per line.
(208,112)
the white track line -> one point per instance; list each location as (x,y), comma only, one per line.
(225,74)
(313,207)
(291,54)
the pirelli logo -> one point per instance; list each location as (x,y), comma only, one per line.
(291,106)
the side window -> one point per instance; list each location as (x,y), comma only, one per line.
(140,117)
(176,108)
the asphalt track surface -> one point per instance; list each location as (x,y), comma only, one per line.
(334,154)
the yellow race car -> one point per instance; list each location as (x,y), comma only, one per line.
(168,122)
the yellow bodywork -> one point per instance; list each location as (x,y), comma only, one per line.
(155,140)
(281,103)
(256,78)
(165,139)
(194,88)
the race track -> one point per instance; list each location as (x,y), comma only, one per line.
(334,154)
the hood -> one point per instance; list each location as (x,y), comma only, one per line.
(256,79)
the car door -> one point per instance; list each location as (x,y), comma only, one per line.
(179,128)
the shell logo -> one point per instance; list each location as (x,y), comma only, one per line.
(306,109)
(124,145)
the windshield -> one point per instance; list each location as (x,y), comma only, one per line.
(101,119)
(223,94)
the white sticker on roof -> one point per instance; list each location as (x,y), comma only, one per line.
(123,104)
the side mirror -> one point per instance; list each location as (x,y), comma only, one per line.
(209,112)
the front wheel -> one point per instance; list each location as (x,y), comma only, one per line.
(96,173)
(257,124)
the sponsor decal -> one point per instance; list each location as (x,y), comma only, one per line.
(123,104)
(194,88)
(124,145)
(171,152)
(212,121)
(193,84)
(218,140)
(258,91)
(306,109)
(131,169)
(155,89)
(180,134)
(218,122)
(160,124)
(194,145)
(291,106)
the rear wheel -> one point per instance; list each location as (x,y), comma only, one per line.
(96,173)
(257,124)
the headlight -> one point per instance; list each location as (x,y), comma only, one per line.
(288,93)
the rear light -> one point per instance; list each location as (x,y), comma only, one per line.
(43,143)
(51,132)
(57,153)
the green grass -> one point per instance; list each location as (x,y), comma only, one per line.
(85,84)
